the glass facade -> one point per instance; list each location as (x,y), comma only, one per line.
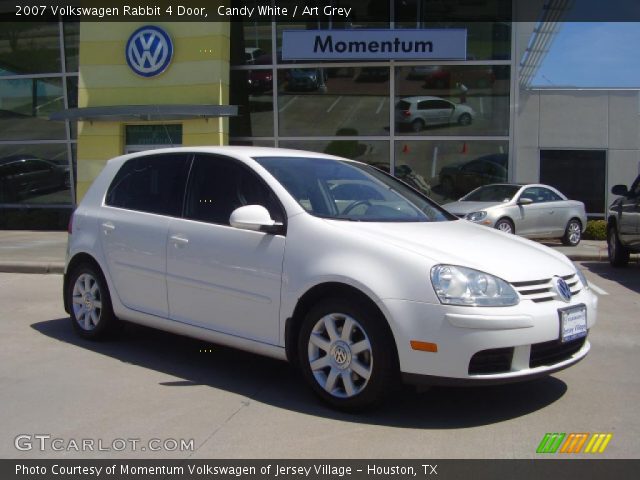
(442,126)
(38,76)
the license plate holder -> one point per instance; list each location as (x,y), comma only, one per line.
(573,323)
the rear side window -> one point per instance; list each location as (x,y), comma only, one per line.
(153,183)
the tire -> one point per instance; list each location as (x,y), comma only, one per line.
(618,253)
(347,379)
(417,125)
(464,119)
(505,225)
(572,233)
(89,300)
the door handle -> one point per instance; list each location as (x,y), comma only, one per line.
(179,241)
(108,227)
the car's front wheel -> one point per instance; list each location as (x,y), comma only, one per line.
(618,254)
(346,354)
(572,233)
(464,119)
(505,225)
(88,297)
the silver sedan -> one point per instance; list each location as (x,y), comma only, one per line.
(532,211)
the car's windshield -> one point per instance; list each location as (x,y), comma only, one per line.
(344,190)
(492,193)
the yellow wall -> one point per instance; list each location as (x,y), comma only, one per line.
(198,74)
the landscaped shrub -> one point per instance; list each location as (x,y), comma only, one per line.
(596,230)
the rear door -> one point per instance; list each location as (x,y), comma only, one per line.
(143,195)
(220,277)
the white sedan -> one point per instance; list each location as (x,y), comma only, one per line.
(329,263)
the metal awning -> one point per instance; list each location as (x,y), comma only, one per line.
(117,113)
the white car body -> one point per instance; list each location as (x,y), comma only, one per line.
(241,288)
(424,111)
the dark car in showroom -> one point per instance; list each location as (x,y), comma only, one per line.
(26,176)
(623,224)
(461,177)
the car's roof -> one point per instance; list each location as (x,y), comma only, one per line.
(246,152)
(17,158)
(423,97)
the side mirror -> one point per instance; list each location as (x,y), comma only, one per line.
(620,190)
(255,218)
(525,201)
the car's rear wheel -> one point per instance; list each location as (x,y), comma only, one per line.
(572,233)
(505,225)
(464,119)
(346,354)
(417,125)
(88,298)
(618,254)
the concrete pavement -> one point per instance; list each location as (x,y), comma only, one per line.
(44,252)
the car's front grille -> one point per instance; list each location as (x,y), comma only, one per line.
(550,353)
(543,290)
(495,360)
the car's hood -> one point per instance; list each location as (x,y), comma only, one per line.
(459,208)
(460,242)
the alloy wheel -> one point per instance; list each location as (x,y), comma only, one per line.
(87,301)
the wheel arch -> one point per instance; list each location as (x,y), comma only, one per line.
(312,296)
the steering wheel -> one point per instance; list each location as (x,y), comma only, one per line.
(355,204)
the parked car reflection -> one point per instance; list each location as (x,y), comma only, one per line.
(25,176)
(420,112)
(462,177)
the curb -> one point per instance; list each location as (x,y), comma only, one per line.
(32,267)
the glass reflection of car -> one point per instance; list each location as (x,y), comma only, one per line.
(301,79)
(532,211)
(420,112)
(259,81)
(623,224)
(461,177)
(251,54)
(331,264)
(474,76)
(23,177)
(407,175)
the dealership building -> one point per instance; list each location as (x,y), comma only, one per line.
(446,106)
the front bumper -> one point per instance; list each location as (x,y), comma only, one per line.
(481,345)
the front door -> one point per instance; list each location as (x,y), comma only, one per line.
(220,277)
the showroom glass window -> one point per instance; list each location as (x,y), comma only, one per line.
(358,109)
(38,71)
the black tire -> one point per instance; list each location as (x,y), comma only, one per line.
(618,253)
(505,225)
(93,318)
(378,361)
(572,233)
(464,119)
(417,125)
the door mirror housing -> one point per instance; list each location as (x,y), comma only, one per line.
(525,201)
(255,218)
(620,190)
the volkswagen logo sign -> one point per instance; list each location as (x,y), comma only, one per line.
(563,289)
(149,51)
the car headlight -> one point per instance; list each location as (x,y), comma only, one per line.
(476,216)
(464,286)
(583,279)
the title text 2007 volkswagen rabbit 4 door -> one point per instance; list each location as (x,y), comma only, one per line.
(336,266)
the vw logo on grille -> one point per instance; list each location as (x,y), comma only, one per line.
(563,289)
(149,51)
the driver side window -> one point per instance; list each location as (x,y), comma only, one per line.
(217,186)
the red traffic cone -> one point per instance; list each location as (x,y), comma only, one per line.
(464,148)
(405,148)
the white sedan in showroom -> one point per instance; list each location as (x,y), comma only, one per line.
(532,211)
(254,248)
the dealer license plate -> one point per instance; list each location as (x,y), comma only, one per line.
(573,323)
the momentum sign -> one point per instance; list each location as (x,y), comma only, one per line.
(362,44)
